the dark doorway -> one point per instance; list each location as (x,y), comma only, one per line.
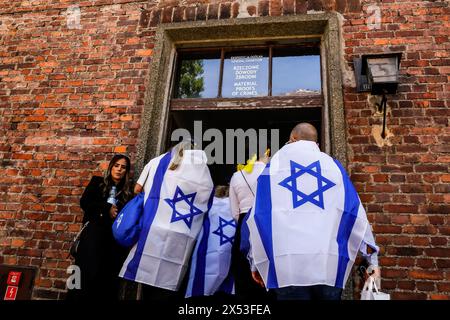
(282,119)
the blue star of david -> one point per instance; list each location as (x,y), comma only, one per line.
(223,237)
(189,199)
(299,198)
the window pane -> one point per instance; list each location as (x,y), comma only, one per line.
(245,74)
(295,72)
(198,76)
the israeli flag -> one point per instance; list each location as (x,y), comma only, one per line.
(211,259)
(308,222)
(174,206)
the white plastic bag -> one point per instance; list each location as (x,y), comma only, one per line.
(367,292)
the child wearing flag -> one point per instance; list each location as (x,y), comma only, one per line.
(307,223)
(210,265)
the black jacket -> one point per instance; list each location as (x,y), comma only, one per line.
(93,202)
(99,257)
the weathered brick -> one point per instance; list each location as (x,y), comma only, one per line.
(438,252)
(213,12)
(168,3)
(341,6)
(315,5)
(420,241)
(400,208)
(444,287)
(145,18)
(329,5)
(438,209)
(354,6)
(439,241)
(425,263)
(426,274)
(155,18)
(275,8)
(201,12)
(190,13)
(178,14)
(263,8)
(405,251)
(225,10)
(439,297)
(408,296)
(407,285)
(288,7)
(252,10)
(45,294)
(393,273)
(142,53)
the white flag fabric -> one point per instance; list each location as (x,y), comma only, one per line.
(175,204)
(308,222)
(211,259)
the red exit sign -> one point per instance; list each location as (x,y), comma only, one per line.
(14,278)
(11,293)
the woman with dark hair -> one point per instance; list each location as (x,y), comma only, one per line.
(99,257)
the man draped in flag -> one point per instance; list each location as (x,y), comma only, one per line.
(307,223)
(178,192)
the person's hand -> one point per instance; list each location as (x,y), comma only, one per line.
(375,273)
(257,278)
(113,212)
(137,188)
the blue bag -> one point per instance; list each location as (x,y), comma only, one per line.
(126,227)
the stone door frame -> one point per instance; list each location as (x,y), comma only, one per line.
(172,36)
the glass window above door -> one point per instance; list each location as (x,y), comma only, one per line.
(245,74)
(295,72)
(198,76)
(248,73)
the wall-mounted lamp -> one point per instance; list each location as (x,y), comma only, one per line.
(378,74)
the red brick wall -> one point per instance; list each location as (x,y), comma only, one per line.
(69,99)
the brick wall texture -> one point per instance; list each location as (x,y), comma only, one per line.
(70,98)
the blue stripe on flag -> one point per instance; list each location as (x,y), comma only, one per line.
(150,208)
(263,221)
(351,207)
(198,287)
(245,235)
